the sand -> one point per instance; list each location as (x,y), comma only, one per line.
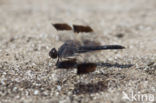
(29,75)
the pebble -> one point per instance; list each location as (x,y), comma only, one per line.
(59,87)
(36,92)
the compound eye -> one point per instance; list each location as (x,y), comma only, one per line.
(53,53)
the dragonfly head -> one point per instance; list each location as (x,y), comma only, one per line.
(53,53)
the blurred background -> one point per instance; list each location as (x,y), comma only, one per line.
(28,74)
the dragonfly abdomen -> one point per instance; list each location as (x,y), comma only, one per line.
(83,49)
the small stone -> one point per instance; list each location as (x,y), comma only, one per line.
(120,35)
(59,87)
(36,92)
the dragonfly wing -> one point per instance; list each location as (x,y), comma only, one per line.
(69,48)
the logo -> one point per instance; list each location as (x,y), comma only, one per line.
(137,97)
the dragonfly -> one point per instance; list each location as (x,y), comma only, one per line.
(72,48)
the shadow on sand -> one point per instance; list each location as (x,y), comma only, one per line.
(82,88)
(70,64)
(89,88)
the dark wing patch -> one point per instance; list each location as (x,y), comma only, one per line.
(62,26)
(81,28)
(85,68)
(67,64)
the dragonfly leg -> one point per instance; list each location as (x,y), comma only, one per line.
(61,59)
(57,61)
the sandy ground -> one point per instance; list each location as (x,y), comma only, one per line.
(28,74)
